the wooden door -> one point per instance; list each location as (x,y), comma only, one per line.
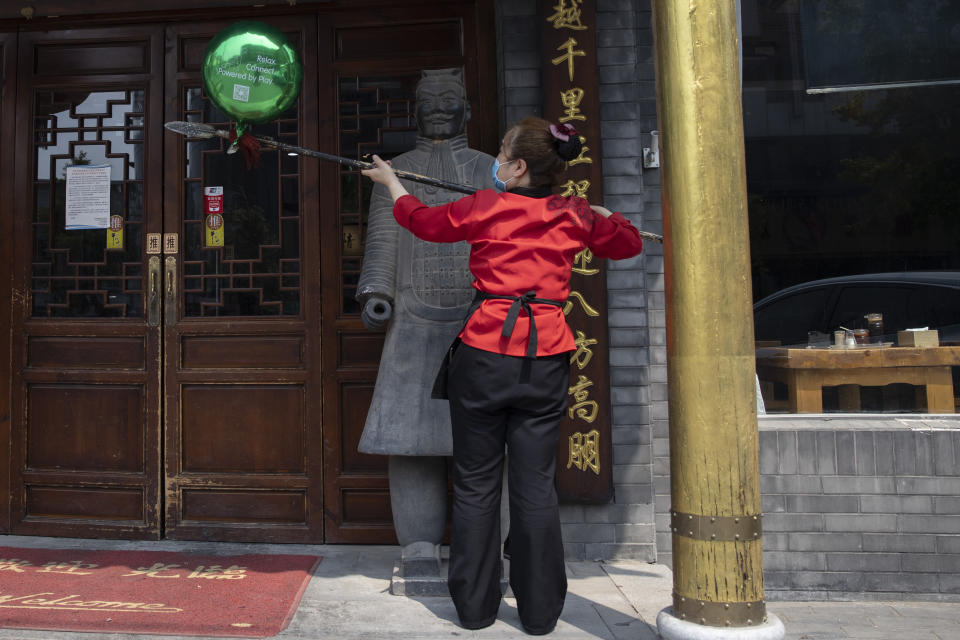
(369,67)
(171,388)
(162,387)
(85,418)
(242,321)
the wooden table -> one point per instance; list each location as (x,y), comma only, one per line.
(806,371)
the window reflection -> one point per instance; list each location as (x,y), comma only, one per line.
(848,182)
(853,167)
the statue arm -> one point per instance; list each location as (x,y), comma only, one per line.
(378,276)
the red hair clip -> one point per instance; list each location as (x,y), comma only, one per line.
(562,131)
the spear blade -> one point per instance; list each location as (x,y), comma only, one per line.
(195,129)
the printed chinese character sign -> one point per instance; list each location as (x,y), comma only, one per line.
(570,95)
(213,216)
(115,233)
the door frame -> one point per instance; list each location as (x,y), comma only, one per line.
(8,94)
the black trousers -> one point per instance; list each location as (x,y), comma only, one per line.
(499,401)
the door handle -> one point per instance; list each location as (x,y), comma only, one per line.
(153,294)
(170,285)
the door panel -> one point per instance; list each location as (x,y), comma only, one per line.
(373,97)
(85,401)
(241,374)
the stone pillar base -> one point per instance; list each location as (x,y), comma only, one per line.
(672,628)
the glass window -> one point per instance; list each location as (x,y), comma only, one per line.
(853,167)
(789,320)
(87,273)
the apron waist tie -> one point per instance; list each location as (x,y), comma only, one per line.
(520,302)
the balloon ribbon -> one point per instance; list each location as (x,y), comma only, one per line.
(246,143)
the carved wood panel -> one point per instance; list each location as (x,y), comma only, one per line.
(85,411)
(242,395)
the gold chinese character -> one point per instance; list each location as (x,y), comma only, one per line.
(567,17)
(154,571)
(568,306)
(585,409)
(585,451)
(72,568)
(570,54)
(216,572)
(582,159)
(570,188)
(571,99)
(14,564)
(583,353)
(580,262)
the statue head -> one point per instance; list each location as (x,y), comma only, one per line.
(442,107)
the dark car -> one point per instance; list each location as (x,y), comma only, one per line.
(907,300)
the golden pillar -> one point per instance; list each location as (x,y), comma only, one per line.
(715,492)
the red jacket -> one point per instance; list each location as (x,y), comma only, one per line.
(519,244)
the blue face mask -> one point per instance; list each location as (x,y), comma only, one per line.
(497,182)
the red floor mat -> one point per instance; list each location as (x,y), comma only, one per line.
(251,596)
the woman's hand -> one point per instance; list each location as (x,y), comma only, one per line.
(606,213)
(382,173)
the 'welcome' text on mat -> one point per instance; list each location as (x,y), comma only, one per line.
(151,591)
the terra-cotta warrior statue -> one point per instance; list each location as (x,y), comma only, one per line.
(423,290)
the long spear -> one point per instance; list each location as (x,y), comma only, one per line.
(201,130)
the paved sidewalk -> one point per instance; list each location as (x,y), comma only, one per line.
(349,599)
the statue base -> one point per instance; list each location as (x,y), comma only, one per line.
(672,628)
(420,577)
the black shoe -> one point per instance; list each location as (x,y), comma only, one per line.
(542,631)
(478,625)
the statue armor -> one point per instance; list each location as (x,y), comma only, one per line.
(424,290)
(430,287)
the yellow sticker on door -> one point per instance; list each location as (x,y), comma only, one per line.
(115,233)
(213,227)
(213,220)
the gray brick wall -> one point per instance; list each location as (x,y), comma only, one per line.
(625,528)
(863,506)
(860,507)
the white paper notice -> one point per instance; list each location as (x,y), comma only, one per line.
(88,196)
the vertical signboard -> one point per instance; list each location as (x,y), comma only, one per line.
(570,96)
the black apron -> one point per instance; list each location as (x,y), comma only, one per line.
(523,302)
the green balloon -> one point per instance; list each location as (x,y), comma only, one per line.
(251,72)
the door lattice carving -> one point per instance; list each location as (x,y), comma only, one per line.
(257,271)
(376,117)
(74,274)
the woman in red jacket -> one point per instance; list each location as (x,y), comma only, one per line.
(508,375)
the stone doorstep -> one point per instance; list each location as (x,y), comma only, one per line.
(436,585)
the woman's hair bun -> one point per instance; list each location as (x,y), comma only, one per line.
(570,149)
(566,140)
